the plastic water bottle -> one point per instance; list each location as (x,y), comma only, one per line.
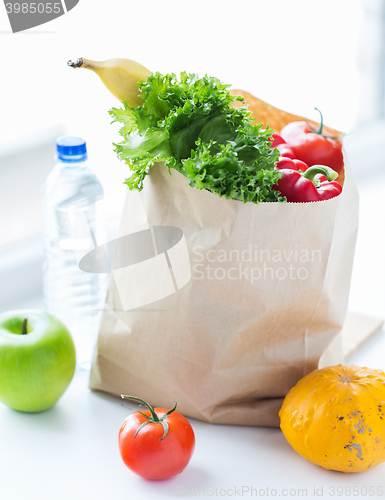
(73,225)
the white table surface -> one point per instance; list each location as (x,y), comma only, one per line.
(70,452)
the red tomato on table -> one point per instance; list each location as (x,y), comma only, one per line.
(156,443)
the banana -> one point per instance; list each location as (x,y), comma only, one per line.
(120,76)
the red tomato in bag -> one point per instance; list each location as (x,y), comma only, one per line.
(314,147)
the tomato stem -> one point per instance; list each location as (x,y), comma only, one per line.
(321,123)
(152,411)
(320,128)
(154,419)
(24,330)
(169,412)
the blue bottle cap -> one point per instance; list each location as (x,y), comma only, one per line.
(71,149)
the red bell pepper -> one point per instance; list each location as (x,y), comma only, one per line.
(291,164)
(278,142)
(286,151)
(277,139)
(314,147)
(303,187)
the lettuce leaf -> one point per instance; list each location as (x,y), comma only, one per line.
(192,125)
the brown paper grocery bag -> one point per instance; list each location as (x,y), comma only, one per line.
(223,306)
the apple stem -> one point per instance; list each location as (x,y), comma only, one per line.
(24,328)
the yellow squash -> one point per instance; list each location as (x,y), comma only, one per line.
(335,417)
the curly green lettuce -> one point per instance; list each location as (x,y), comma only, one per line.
(192,125)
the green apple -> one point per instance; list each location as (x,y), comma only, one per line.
(37,360)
